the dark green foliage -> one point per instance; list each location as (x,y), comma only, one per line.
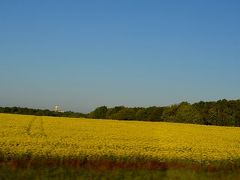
(187,113)
(222,113)
(169,113)
(126,114)
(154,113)
(40,112)
(111,113)
(99,113)
(142,114)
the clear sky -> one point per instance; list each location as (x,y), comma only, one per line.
(81,54)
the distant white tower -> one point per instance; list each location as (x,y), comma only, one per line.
(56,108)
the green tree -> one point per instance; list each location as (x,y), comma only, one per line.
(142,114)
(169,113)
(112,112)
(126,114)
(99,113)
(187,113)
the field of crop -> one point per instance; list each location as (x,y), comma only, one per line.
(42,138)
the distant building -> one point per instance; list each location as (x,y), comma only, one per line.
(57,109)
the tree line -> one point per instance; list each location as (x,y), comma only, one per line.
(222,113)
(40,112)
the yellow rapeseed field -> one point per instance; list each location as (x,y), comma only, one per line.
(22,135)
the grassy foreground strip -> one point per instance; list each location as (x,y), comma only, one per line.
(108,164)
(82,173)
(30,142)
(105,169)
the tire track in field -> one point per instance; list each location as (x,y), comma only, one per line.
(29,126)
(35,127)
(42,131)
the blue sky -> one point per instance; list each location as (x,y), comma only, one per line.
(83,54)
